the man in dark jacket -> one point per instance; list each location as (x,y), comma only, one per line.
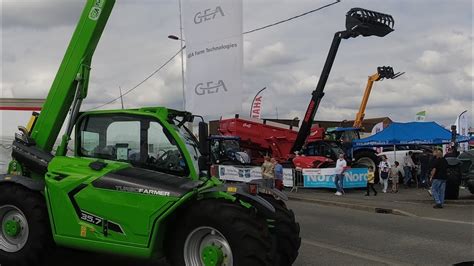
(438,177)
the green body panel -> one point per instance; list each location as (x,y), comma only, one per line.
(77,60)
(138,215)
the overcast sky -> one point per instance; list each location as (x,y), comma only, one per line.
(432,43)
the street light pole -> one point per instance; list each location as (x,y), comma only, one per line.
(182,56)
(251,106)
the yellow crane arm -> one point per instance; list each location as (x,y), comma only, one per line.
(382,72)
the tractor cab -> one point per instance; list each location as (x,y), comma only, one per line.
(343,134)
(226,150)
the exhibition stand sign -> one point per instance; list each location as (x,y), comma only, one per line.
(324,178)
(246,174)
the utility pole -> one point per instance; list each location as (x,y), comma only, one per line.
(121,96)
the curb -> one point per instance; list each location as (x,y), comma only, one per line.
(355,206)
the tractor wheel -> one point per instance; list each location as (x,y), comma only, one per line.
(366,158)
(215,232)
(25,235)
(287,233)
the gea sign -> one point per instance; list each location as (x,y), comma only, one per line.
(208,14)
(209,87)
(257,107)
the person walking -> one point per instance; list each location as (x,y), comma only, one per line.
(370,182)
(424,168)
(396,172)
(341,166)
(267,168)
(384,170)
(408,166)
(438,177)
(278,173)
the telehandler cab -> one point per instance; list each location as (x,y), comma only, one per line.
(136,183)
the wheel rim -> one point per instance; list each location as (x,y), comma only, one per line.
(366,161)
(207,246)
(15,230)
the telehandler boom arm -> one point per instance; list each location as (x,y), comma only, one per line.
(72,78)
(382,73)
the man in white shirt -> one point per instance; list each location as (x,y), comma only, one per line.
(341,165)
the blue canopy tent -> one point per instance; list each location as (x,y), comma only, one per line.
(412,133)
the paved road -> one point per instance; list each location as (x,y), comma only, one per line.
(332,235)
(339,236)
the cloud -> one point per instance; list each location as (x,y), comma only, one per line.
(433,62)
(32,13)
(271,55)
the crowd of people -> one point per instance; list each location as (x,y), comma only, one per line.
(271,169)
(428,170)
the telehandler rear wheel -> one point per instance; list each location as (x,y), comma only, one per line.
(215,232)
(25,234)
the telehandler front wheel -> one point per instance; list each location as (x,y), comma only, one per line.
(286,232)
(25,235)
(215,232)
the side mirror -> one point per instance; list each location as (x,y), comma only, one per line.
(203,138)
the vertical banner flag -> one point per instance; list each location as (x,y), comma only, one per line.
(462,128)
(256,111)
(376,129)
(420,116)
(214,56)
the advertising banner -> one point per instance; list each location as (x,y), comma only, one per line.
(214,56)
(256,111)
(324,178)
(376,129)
(246,174)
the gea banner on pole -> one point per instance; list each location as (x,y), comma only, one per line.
(256,111)
(214,56)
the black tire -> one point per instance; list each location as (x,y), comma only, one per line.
(362,156)
(470,186)
(39,242)
(366,155)
(246,233)
(452,183)
(287,233)
(452,192)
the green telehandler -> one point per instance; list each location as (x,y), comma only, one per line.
(138,181)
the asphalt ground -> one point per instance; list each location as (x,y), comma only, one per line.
(333,235)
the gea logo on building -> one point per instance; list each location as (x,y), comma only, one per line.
(209,87)
(208,14)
